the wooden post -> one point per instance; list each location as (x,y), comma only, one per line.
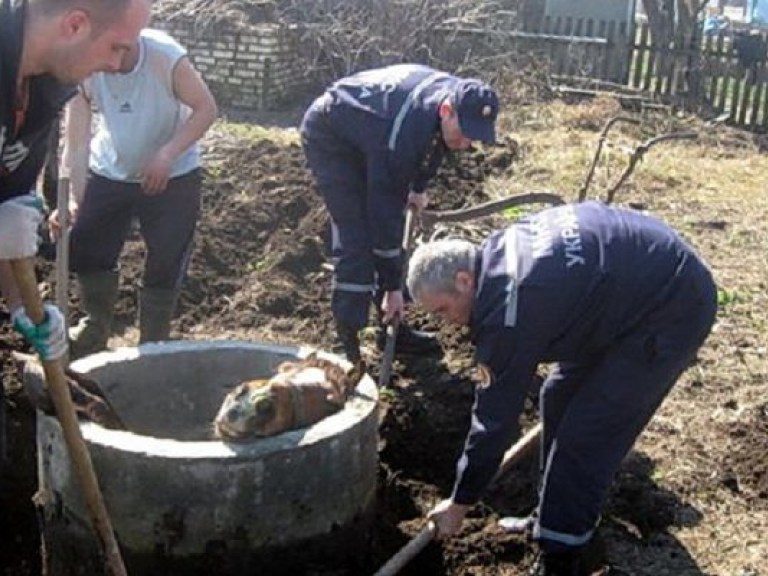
(62,249)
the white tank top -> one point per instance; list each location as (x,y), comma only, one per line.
(137,113)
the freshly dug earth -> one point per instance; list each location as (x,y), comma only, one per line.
(258,273)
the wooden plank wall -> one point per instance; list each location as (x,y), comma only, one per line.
(587,48)
(708,71)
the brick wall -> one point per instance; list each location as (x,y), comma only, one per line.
(253,67)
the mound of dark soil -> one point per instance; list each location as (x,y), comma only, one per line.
(258,272)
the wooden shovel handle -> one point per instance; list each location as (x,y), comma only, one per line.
(407,552)
(24,274)
(62,248)
(517,452)
(388,356)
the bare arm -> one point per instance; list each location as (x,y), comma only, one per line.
(190,89)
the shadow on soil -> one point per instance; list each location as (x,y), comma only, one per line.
(638,520)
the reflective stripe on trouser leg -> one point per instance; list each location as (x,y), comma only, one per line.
(340,173)
(556,392)
(352,286)
(342,185)
(335,244)
(351,307)
(610,409)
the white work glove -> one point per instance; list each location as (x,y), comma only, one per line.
(20,218)
(49,337)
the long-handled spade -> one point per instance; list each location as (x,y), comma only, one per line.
(385,371)
(23,271)
(517,452)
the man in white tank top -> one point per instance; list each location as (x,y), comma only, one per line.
(131,150)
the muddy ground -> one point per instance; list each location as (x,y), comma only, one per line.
(257,273)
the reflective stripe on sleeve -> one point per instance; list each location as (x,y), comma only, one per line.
(412,95)
(510,249)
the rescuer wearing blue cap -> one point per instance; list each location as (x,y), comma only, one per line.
(373,141)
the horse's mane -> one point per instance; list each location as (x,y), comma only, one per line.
(335,373)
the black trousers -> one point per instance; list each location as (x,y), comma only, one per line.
(166,220)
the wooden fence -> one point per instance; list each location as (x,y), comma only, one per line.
(586,48)
(714,72)
(724,73)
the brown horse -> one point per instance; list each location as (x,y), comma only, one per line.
(300,394)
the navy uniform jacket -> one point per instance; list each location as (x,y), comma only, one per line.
(23,151)
(561,285)
(390,115)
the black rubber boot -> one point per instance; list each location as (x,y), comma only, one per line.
(582,561)
(563,564)
(156,308)
(410,341)
(98,295)
(348,342)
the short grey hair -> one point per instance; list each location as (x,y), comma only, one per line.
(103,13)
(433,266)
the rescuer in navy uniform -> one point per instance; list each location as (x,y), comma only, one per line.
(373,141)
(618,300)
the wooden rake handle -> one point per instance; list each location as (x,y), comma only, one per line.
(24,274)
(517,452)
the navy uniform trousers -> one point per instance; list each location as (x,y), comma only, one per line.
(340,172)
(594,410)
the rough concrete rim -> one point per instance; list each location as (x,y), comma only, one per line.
(358,408)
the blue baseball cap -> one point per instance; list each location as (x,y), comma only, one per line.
(477,105)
